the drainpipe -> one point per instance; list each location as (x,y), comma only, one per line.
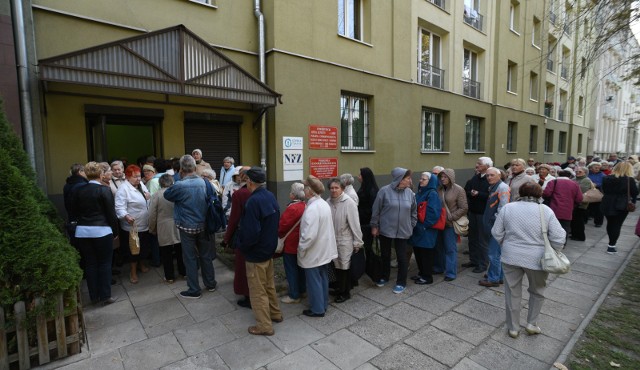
(19,34)
(261,53)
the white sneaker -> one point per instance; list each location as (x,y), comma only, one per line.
(287,299)
(513,333)
(533,329)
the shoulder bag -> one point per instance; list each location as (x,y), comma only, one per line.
(280,246)
(592,195)
(461,225)
(552,261)
(631,207)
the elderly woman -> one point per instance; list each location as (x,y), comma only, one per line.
(290,224)
(131,207)
(162,225)
(346,226)
(543,176)
(227,171)
(105,178)
(394,215)
(454,200)
(596,178)
(424,236)
(347,180)
(517,177)
(518,229)
(317,247)
(97,227)
(580,211)
(619,189)
(201,165)
(210,175)
(117,176)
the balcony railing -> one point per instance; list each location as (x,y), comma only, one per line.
(470,88)
(561,114)
(473,18)
(552,17)
(550,65)
(431,76)
(439,3)
(564,72)
(548,112)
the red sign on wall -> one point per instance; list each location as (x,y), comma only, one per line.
(323,168)
(323,137)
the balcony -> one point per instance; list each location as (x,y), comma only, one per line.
(548,111)
(473,18)
(552,17)
(564,72)
(550,65)
(470,88)
(431,76)
(439,3)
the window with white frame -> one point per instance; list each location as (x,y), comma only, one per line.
(207,2)
(354,122)
(512,77)
(472,134)
(470,84)
(350,18)
(548,141)
(562,142)
(430,73)
(533,139)
(514,16)
(432,130)
(533,86)
(536,33)
(512,136)
(581,106)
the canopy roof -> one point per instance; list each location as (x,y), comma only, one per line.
(170,61)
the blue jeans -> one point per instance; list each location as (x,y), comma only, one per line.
(198,248)
(494,273)
(295,275)
(97,254)
(317,288)
(450,239)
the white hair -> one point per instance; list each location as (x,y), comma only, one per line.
(486,161)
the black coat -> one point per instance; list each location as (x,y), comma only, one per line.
(478,203)
(615,198)
(93,205)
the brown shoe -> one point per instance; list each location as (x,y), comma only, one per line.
(277,320)
(488,284)
(255,331)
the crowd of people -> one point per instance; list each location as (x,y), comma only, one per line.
(328,244)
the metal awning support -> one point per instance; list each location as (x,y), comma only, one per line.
(170,61)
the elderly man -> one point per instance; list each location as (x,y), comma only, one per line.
(477,190)
(190,210)
(257,242)
(499,195)
(117,176)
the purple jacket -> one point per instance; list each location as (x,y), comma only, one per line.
(565,194)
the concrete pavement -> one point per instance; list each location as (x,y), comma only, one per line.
(457,324)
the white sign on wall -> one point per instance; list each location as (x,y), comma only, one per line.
(292,157)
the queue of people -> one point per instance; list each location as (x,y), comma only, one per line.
(501,212)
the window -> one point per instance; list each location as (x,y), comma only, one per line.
(583,67)
(472,134)
(512,136)
(514,16)
(429,72)
(470,84)
(536,32)
(533,86)
(512,77)
(432,130)
(581,106)
(354,122)
(438,3)
(562,142)
(566,62)
(579,143)
(350,18)
(548,141)
(533,139)
(551,54)
(471,15)
(207,2)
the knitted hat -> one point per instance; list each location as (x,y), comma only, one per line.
(197,151)
(148,167)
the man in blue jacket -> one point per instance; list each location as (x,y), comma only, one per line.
(257,240)
(189,196)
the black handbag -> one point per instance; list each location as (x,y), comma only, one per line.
(358,264)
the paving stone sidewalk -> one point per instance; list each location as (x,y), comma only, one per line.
(457,324)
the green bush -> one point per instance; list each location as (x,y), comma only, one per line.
(36,259)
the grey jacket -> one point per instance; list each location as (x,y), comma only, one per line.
(394,211)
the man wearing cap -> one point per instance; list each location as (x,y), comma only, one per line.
(147,173)
(238,201)
(190,211)
(257,242)
(201,165)
(571,162)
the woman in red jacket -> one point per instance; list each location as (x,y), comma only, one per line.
(289,223)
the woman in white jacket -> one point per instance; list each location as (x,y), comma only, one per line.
(317,247)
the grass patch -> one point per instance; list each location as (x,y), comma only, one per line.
(613,336)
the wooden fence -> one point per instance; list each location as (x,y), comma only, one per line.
(68,336)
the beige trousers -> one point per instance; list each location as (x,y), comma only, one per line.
(262,292)
(513,293)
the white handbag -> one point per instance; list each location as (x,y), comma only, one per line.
(280,246)
(552,261)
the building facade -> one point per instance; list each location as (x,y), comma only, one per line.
(351,83)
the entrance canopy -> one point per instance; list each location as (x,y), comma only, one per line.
(170,61)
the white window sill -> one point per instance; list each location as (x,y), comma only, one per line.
(536,46)
(508,152)
(203,4)
(355,40)
(533,100)
(533,152)
(548,153)
(473,152)
(514,31)
(512,93)
(368,151)
(433,152)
